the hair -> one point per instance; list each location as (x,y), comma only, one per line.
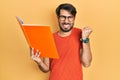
(66,6)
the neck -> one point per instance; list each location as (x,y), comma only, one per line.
(64,34)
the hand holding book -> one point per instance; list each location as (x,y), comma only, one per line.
(39,37)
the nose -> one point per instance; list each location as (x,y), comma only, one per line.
(66,20)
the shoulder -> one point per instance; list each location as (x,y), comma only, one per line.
(55,33)
(77,30)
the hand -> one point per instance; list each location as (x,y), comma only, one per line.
(86,31)
(35,55)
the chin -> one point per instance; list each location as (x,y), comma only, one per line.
(66,30)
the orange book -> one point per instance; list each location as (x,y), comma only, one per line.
(39,37)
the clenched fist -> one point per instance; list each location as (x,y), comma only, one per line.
(86,31)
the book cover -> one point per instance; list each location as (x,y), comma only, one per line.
(39,37)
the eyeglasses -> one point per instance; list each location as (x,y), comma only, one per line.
(70,18)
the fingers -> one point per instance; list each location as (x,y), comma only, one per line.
(38,54)
(31,51)
(35,55)
(86,31)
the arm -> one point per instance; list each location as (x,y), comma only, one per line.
(86,55)
(42,63)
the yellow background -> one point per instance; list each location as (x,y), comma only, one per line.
(102,15)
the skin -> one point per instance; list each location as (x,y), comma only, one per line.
(65,30)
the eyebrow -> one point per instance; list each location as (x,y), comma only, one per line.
(66,16)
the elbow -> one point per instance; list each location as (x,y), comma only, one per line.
(87,63)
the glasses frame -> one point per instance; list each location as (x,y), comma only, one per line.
(63,18)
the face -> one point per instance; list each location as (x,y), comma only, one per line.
(66,21)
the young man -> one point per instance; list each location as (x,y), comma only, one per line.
(73,48)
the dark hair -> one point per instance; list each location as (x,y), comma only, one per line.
(68,7)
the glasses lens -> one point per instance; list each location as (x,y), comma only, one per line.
(62,18)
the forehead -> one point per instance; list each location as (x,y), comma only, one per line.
(65,12)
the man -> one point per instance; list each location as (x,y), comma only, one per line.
(73,48)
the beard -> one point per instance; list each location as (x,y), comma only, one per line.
(66,29)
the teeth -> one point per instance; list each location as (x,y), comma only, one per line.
(66,26)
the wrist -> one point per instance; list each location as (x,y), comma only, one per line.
(84,40)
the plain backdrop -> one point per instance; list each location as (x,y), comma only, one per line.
(102,15)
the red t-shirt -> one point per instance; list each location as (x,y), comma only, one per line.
(68,66)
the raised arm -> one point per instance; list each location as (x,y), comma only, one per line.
(86,55)
(42,63)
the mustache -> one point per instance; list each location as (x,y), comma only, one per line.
(65,23)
